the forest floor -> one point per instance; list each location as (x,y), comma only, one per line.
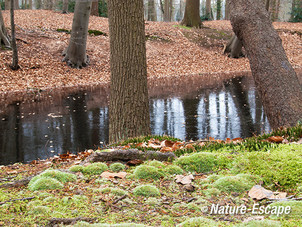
(212,173)
(172,50)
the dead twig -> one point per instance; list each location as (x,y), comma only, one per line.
(13,200)
(119,199)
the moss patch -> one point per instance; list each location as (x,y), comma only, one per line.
(96,168)
(117,167)
(146,191)
(44,183)
(147,172)
(200,221)
(262,223)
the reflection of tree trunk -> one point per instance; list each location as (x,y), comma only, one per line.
(206,126)
(233,48)
(240,98)
(79,121)
(258,115)
(218,113)
(95,134)
(191,122)
(165,121)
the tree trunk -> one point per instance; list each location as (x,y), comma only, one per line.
(227,10)
(208,10)
(65,7)
(75,55)
(95,8)
(30,4)
(233,48)
(129,104)
(218,10)
(192,16)
(4,39)
(151,11)
(7,4)
(14,65)
(275,79)
(167,10)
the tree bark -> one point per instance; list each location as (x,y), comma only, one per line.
(95,8)
(227,10)
(208,10)
(218,9)
(151,11)
(4,39)
(14,65)
(167,10)
(233,48)
(65,7)
(30,4)
(75,55)
(192,15)
(129,103)
(275,79)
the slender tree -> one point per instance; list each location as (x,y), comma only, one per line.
(275,79)
(192,16)
(75,54)
(167,10)
(129,105)
(4,39)
(151,11)
(95,8)
(14,65)
(65,7)
(218,2)
(208,10)
(227,10)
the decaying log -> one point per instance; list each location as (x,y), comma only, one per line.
(127,155)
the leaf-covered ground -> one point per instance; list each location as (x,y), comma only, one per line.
(223,172)
(172,50)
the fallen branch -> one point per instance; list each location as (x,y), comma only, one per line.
(13,200)
(68,221)
(119,199)
(18,183)
(127,155)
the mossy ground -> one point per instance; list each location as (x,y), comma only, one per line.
(227,175)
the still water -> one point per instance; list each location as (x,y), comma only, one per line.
(187,108)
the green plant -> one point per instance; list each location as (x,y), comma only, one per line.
(198,222)
(76,168)
(173,169)
(117,167)
(262,223)
(147,172)
(63,177)
(156,164)
(114,191)
(146,191)
(295,209)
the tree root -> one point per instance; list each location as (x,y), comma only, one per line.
(127,155)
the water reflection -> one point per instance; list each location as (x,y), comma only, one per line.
(191,108)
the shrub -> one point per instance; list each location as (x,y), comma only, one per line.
(202,162)
(147,172)
(196,222)
(117,167)
(146,190)
(44,183)
(96,168)
(238,183)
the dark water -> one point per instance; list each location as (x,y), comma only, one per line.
(187,108)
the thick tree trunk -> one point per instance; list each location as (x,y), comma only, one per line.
(275,79)
(192,16)
(65,7)
(208,10)
(167,10)
(14,65)
(151,11)
(75,55)
(233,48)
(4,39)
(129,104)
(95,8)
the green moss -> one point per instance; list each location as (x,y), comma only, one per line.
(86,224)
(117,167)
(76,168)
(202,162)
(238,183)
(200,221)
(173,169)
(295,210)
(146,191)
(212,192)
(96,168)
(147,172)
(114,191)
(281,165)
(96,33)
(262,223)
(59,175)
(153,201)
(39,210)
(156,164)
(44,183)
(63,30)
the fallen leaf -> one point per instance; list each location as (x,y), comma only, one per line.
(275,139)
(181,179)
(134,162)
(166,149)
